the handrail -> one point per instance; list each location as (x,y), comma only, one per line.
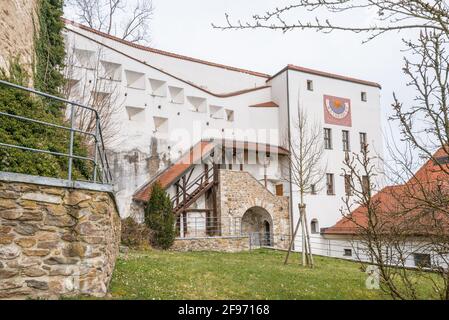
(100,160)
(193,183)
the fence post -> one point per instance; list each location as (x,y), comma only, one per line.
(96,148)
(72,135)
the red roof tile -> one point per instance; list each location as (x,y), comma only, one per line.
(327,75)
(401,204)
(167,177)
(269,104)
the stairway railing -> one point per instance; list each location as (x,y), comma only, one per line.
(101,170)
(187,193)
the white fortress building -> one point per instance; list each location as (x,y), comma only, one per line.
(215,136)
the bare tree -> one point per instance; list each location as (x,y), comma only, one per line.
(129,20)
(305,171)
(95,85)
(393,226)
(387,16)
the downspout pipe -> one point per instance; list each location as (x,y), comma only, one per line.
(290,165)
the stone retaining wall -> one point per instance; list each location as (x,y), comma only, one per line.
(221,244)
(56,241)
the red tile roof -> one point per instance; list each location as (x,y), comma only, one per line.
(326,75)
(165,53)
(403,204)
(167,177)
(269,104)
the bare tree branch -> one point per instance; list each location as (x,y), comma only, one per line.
(128,20)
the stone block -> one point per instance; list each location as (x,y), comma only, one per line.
(9,252)
(25,242)
(42,197)
(36,252)
(39,285)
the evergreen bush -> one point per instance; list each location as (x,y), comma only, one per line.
(159,217)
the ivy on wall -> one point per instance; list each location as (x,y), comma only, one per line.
(49,47)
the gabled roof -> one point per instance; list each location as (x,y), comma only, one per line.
(403,204)
(194,156)
(326,75)
(165,53)
(177,169)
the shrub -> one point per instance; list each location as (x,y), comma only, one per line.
(159,217)
(135,235)
(34,135)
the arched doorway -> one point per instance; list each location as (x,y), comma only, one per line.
(257,224)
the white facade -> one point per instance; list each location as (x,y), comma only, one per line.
(167,103)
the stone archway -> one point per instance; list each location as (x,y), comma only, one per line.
(258,224)
(243,200)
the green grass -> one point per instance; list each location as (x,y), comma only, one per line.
(259,274)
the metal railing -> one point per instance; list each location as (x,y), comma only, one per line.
(101,169)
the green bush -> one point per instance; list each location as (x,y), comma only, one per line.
(135,235)
(159,217)
(33,135)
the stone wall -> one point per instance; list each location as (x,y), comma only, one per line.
(56,241)
(239,192)
(17,31)
(222,244)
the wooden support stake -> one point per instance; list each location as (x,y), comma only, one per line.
(292,240)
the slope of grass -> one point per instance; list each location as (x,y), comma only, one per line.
(259,274)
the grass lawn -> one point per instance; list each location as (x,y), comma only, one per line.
(258,274)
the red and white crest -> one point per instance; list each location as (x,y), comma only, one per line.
(337,111)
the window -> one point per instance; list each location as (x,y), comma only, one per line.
(330,183)
(345,139)
(442,160)
(229,115)
(362,141)
(365,184)
(280,190)
(363,96)
(422,260)
(310,85)
(347,252)
(327,138)
(314,226)
(348,188)
(313,189)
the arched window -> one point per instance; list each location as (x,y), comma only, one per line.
(314,226)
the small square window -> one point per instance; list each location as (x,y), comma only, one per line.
(313,189)
(364,97)
(327,138)
(310,85)
(348,187)
(365,184)
(330,184)
(229,115)
(345,140)
(347,252)
(363,141)
(422,260)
